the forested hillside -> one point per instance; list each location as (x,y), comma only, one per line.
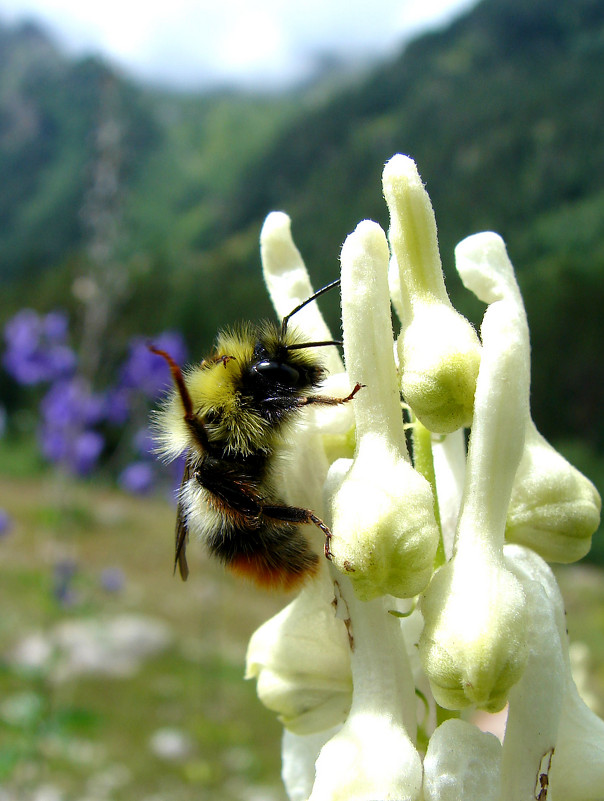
(502,112)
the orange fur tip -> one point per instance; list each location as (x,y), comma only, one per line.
(271,577)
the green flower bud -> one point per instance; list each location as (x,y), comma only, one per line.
(439,351)
(473,644)
(555,509)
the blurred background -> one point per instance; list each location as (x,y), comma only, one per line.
(139,155)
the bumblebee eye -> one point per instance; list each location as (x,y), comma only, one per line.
(277,372)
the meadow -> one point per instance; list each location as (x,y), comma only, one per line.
(118,681)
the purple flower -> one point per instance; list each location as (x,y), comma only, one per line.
(63,574)
(144,442)
(69,411)
(117,405)
(147,371)
(6,523)
(77,450)
(71,402)
(36,348)
(85,451)
(23,330)
(137,478)
(56,326)
(112,579)
(53,444)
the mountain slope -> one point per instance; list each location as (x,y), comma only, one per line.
(502,111)
(503,114)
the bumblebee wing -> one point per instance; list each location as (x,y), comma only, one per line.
(182,533)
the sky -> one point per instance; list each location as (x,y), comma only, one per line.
(191,43)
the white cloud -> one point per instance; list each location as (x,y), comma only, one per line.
(192,41)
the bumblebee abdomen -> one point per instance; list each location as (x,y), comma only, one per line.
(273,555)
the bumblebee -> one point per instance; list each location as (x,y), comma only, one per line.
(230,416)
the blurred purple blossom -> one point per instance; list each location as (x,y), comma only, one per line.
(138,478)
(36,347)
(117,405)
(56,326)
(85,451)
(63,574)
(69,410)
(148,372)
(112,579)
(71,413)
(72,402)
(144,442)
(78,451)
(6,523)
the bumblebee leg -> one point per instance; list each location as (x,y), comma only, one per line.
(325,400)
(296,514)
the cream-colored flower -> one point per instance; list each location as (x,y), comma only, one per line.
(473,646)
(554,509)
(438,349)
(462,764)
(384,531)
(301,660)
(373,756)
(492,617)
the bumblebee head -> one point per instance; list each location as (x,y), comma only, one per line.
(242,396)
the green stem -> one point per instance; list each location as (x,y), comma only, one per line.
(424,464)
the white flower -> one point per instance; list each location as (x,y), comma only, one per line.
(384,532)
(438,349)
(462,764)
(372,756)
(554,509)
(473,646)
(341,664)
(301,660)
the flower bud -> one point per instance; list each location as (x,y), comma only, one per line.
(439,351)
(554,509)
(462,762)
(384,531)
(288,283)
(576,767)
(301,660)
(473,646)
(372,756)
(535,702)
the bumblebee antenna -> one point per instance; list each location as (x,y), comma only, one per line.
(303,345)
(287,317)
(178,380)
